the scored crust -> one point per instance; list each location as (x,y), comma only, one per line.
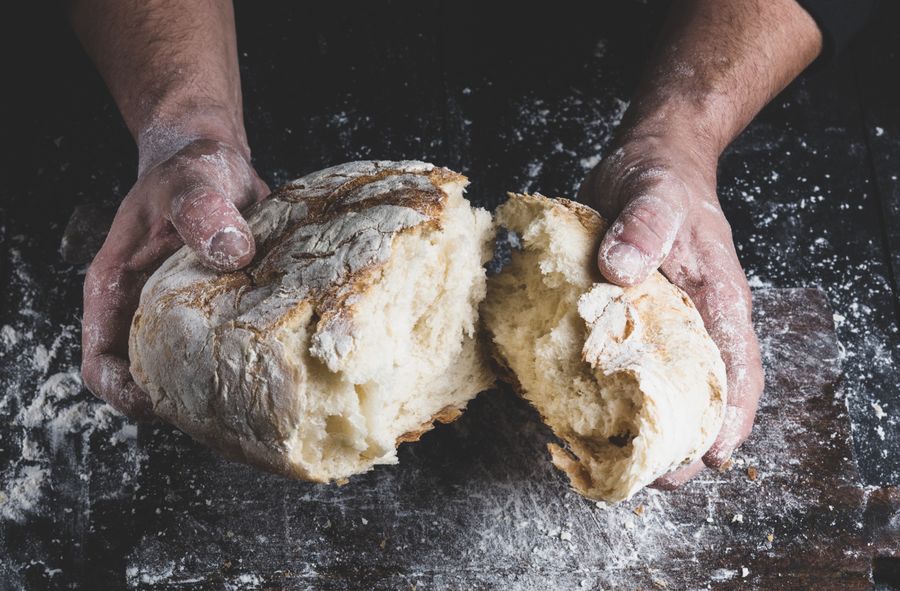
(333,230)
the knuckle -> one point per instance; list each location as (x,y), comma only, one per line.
(189,202)
(651,221)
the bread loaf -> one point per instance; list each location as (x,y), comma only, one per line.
(356,327)
(353,329)
(628,379)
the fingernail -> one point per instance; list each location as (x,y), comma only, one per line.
(625,261)
(229,243)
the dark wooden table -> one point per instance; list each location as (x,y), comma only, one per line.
(516,99)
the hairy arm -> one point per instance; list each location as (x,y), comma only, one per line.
(718,62)
(171,66)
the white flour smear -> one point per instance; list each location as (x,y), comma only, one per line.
(54,423)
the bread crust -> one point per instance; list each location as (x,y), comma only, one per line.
(448,414)
(332,230)
(650,334)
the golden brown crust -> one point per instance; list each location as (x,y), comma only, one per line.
(579,476)
(592,221)
(448,414)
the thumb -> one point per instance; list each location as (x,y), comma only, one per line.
(641,237)
(211,225)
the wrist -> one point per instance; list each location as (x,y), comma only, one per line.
(166,131)
(702,127)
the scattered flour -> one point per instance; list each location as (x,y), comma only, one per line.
(244,581)
(720,575)
(8,337)
(150,575)
(58,412)
(50,418)
(22,493)
(783,242)
(537,124)
(41,359)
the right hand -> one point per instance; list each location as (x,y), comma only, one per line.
(192,196)
(659,192)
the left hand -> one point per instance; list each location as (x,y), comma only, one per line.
(191,197)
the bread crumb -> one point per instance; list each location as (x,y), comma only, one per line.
(752,473)
(739,518)
(639,510)
(744,572)
(364,520)
(770,537)
(727,465)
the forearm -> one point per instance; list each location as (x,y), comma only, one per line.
(171,66)
(717,64)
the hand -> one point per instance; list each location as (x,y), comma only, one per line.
(192,196)
(660,195)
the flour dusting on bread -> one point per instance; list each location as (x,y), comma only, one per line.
(353,329)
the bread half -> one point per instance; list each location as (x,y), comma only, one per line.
(628,379)
(353,329)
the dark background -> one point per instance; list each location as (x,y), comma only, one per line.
(516,99)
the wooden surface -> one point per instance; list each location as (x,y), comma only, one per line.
(518,100)
(477,505)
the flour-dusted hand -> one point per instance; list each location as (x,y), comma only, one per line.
(192,197)
(172,69)
(717,64)
(661,200)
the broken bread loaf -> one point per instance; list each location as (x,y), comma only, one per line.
(627,378)
(353,329)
